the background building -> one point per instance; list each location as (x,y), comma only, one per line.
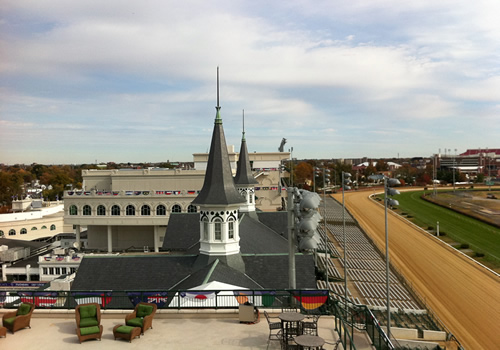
(129,209)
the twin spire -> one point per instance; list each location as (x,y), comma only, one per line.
(244,175)
(218,188)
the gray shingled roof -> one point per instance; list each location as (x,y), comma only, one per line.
(218,271)
(268,271)
(271,271)
(132,272)
(183,234)
(277,221)
(218,188)
(244,171)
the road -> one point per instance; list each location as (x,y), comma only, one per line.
(465,296)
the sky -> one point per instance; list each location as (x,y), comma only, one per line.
(136,81)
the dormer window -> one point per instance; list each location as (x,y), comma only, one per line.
(218,230)
(205,229)
(230,229)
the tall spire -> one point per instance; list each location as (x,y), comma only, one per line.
(244,170)
(218,188)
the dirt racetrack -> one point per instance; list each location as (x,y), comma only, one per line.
(464,295)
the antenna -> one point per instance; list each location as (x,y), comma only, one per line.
(243,121)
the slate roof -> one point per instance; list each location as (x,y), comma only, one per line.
(183,232)
(183,235)
(218,188)
(163,272)
(220,272)
(132,272)
(277,221)
(244,174)
(271,271)
(257,238)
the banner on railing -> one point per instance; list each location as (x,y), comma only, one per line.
(101,298)
(40,299)
(158,298)
(265,298)
(311,300)
(198,296)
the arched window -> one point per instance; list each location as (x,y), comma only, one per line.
(230,229)
(87,210)
(44,227)
(73,210)
(192,209)
(101,210)
(145,210)
(1,233)
(176,208)
(205,229)
(115,210)
(218,230)
(130,210)
(52,227)
(34,228)
(161,210)
(12,232)
(24,231)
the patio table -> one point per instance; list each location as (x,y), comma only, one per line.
(308,341)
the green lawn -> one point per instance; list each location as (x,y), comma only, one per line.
(481,237)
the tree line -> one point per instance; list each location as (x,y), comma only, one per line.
(408,173)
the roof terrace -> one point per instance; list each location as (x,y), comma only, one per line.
(184,329)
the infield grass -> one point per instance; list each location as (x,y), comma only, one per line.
(481,237)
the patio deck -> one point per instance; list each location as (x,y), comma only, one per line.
(204,329)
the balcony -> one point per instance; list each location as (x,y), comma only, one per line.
(177,327)
(202,329)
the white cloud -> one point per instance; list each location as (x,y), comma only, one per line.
(292,66)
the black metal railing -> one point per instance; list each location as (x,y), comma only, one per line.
(347,316)
(306,300)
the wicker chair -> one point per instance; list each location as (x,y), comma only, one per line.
(88,321)
(142,316)
(91,315)
(19,319)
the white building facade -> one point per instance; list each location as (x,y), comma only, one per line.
(130,208)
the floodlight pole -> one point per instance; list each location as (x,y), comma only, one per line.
(291,238)
(345,240)
(454,156)
(327,253)
(314,179)
(387,267)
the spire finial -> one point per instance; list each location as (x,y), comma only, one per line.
(243,134)
(218,119)
(218,106)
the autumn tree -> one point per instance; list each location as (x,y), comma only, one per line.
(303,173)
(381,165)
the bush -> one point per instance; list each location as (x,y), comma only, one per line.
(430,228)
(409,216)
(479,254)
(464,246)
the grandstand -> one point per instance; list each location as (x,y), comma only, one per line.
(366,273)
